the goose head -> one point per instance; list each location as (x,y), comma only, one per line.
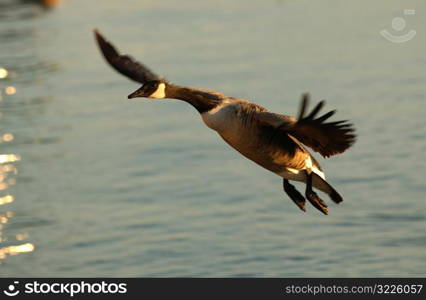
(151,89)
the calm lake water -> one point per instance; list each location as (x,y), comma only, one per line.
(92,184)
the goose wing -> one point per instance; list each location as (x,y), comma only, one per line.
(125,64)
(327,138)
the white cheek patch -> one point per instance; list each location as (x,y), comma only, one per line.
(160,92)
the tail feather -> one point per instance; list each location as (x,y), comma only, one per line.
(325,187)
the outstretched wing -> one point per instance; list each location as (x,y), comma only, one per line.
(125,64)
(326,138)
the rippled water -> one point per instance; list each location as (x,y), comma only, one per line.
(92,184)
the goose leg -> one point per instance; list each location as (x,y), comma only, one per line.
(294,194)
(313,197)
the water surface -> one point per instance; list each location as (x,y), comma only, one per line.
(92,184)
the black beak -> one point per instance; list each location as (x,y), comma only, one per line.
(137,93)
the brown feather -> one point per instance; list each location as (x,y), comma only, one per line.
(326,138)
(125,64)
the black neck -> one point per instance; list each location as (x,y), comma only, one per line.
(200,99)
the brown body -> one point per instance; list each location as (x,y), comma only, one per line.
(239,123)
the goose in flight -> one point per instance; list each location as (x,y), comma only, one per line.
(274,141)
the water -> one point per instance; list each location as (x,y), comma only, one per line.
(95,185)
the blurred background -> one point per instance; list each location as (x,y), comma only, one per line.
(92,184)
